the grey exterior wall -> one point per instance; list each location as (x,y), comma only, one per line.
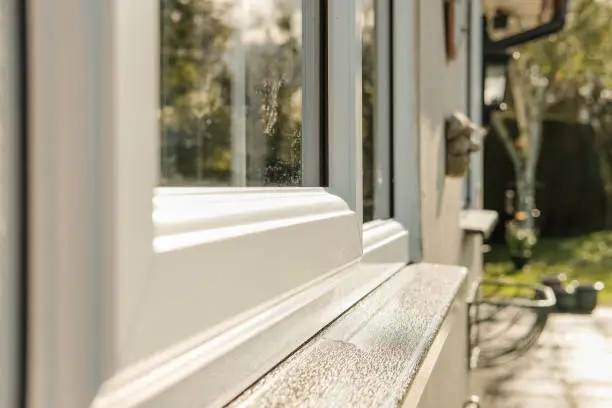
(441,88)
(471,255)
(447,386)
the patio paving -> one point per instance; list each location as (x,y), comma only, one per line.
(571,367)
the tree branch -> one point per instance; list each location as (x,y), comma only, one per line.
(504,135)
(517,87)
(535,129)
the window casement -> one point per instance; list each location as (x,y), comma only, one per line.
(172,262)
(11,204)
(472,183)
(475,91)
(376,105)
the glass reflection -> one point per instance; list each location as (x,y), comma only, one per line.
(368,100)
(231,92)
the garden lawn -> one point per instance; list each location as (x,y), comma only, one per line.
(586,259)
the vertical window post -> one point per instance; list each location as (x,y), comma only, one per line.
(345,135)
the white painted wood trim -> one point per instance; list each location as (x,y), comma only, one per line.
(118,293)
(211,210)
(311,92)
(385,242)
(72,151)
(219,255)
(136,131)
(199,228)
(11,209)
(244,226)
(212,366)
(344,82)
(211,373)
(475,110)
(382,117)
(406,175)
(93,102)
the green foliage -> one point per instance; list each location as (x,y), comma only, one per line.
(576,55)
(578,65)
(195,91)
(198,114)
(520,240)
(585,258)
(551,77)
(368,101)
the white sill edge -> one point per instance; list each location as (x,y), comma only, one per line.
(196,210)
(190,216)
(478,221)
(199,228)
(377,233)
(140,384)
(385,252)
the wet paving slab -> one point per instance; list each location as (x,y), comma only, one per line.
(570,367)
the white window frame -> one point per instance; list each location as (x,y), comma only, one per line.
(116,310)
(475,108)
(471,188)
(11,180)
(382,116)
(382,136)
(406,157)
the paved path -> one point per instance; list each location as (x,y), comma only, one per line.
(570,368)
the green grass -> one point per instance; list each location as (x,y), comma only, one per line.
(586,259)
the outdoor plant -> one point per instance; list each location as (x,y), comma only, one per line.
(520,240)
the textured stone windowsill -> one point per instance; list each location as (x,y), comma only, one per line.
(371,355)
(478,221)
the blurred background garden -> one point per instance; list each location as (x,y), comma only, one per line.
(548,157)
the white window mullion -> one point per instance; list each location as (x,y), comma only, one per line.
(150,295)
(93,139)
(344,73)
(382,117)
(239,103)
(136,140)
(476,91)
(311,93)
(93,147)
(11,205)
(407,197)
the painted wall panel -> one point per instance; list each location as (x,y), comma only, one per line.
(441,88)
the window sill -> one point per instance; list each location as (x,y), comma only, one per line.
(209,346)
(478,221)
(371,355)
(384,240)
(224,256)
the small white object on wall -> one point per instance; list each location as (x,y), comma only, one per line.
(463,137)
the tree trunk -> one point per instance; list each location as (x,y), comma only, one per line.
(604,156)
(529,104)
(608,208)
(525,195)
(531,165)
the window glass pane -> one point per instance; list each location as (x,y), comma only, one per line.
(368,100)
(231,92)
(376,97)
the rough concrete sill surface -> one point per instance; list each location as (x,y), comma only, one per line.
(478,221)
(371,354)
